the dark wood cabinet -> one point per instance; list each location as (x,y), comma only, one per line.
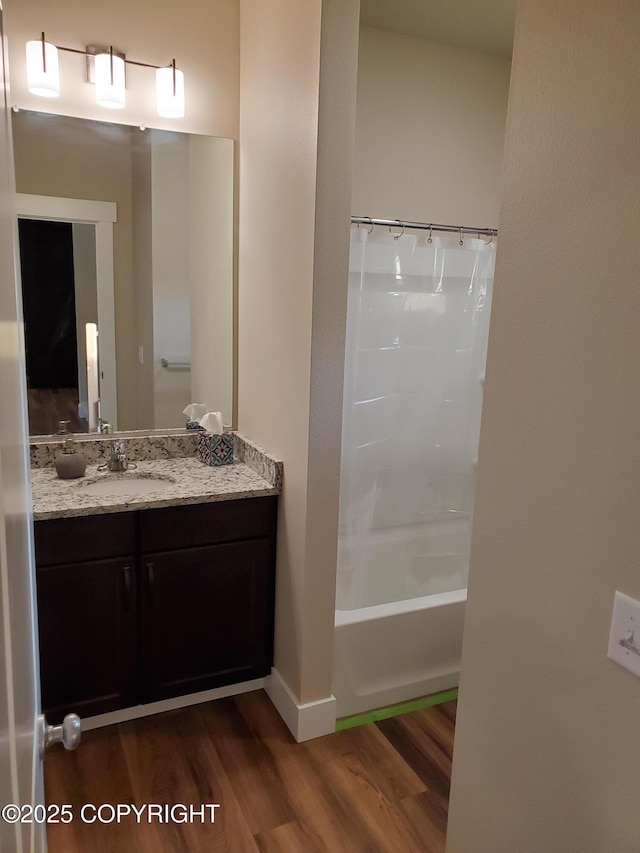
(88,627)
(140,606)
(216,600)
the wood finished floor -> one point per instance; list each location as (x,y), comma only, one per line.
(49,406)
(377,787)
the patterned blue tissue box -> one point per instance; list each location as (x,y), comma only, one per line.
(215,449)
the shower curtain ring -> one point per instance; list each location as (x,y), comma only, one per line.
(490,240)
(397,236)
(370,229)
(430,240)
(461,240)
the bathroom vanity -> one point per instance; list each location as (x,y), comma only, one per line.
(157,595)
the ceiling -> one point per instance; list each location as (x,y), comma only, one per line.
(485,25)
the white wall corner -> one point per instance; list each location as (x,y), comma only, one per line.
(306,721)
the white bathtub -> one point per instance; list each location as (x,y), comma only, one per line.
(400,602)
(390,653)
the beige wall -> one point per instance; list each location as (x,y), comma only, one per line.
(201,35)
(429,131)
(547,737)
(280,43)
(336,142)
(293,259)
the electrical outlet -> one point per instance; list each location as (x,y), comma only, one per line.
(141,355)
(624,639)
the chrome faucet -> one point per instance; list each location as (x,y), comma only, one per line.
(118,458)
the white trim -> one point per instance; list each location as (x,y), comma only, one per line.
(102,215)
(305,721)
(59,209)
(138,711)
(106,321)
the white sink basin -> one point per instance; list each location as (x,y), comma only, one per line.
(132,484)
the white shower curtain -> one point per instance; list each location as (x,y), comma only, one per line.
(417,329)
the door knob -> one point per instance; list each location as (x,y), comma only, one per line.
(69,733)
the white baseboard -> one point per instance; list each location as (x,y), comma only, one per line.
(306,721)
(138,711)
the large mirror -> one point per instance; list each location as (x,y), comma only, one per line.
(126,244)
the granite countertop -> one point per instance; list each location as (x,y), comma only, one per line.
(192,483)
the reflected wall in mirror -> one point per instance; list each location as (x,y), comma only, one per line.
(157,279)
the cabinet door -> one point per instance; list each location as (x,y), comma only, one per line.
(87,624)
(207,617)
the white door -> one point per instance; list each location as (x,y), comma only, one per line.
(21,777)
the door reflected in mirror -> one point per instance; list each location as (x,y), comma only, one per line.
(53,357)
(132,230)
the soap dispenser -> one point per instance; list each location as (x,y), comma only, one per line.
(70,464)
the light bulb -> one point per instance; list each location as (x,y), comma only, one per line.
(170,92)
(109,73)
(43,74)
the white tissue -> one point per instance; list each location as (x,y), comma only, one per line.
(194,411)
(212,422)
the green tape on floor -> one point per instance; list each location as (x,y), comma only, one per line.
(396,710)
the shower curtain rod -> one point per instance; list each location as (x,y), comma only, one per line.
(424,226)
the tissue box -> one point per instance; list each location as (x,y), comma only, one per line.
(193,425)
(215,449)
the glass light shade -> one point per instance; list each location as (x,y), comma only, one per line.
(45,83)
(109,90)
(170,103)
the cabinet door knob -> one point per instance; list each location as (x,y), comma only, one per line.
(151,580)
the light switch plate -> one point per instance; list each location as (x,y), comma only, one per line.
(624,639)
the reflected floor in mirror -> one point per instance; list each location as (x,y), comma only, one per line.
(49,406)
(379,787)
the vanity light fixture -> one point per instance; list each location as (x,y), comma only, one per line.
(43,76)
(109,79)
(170,92)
